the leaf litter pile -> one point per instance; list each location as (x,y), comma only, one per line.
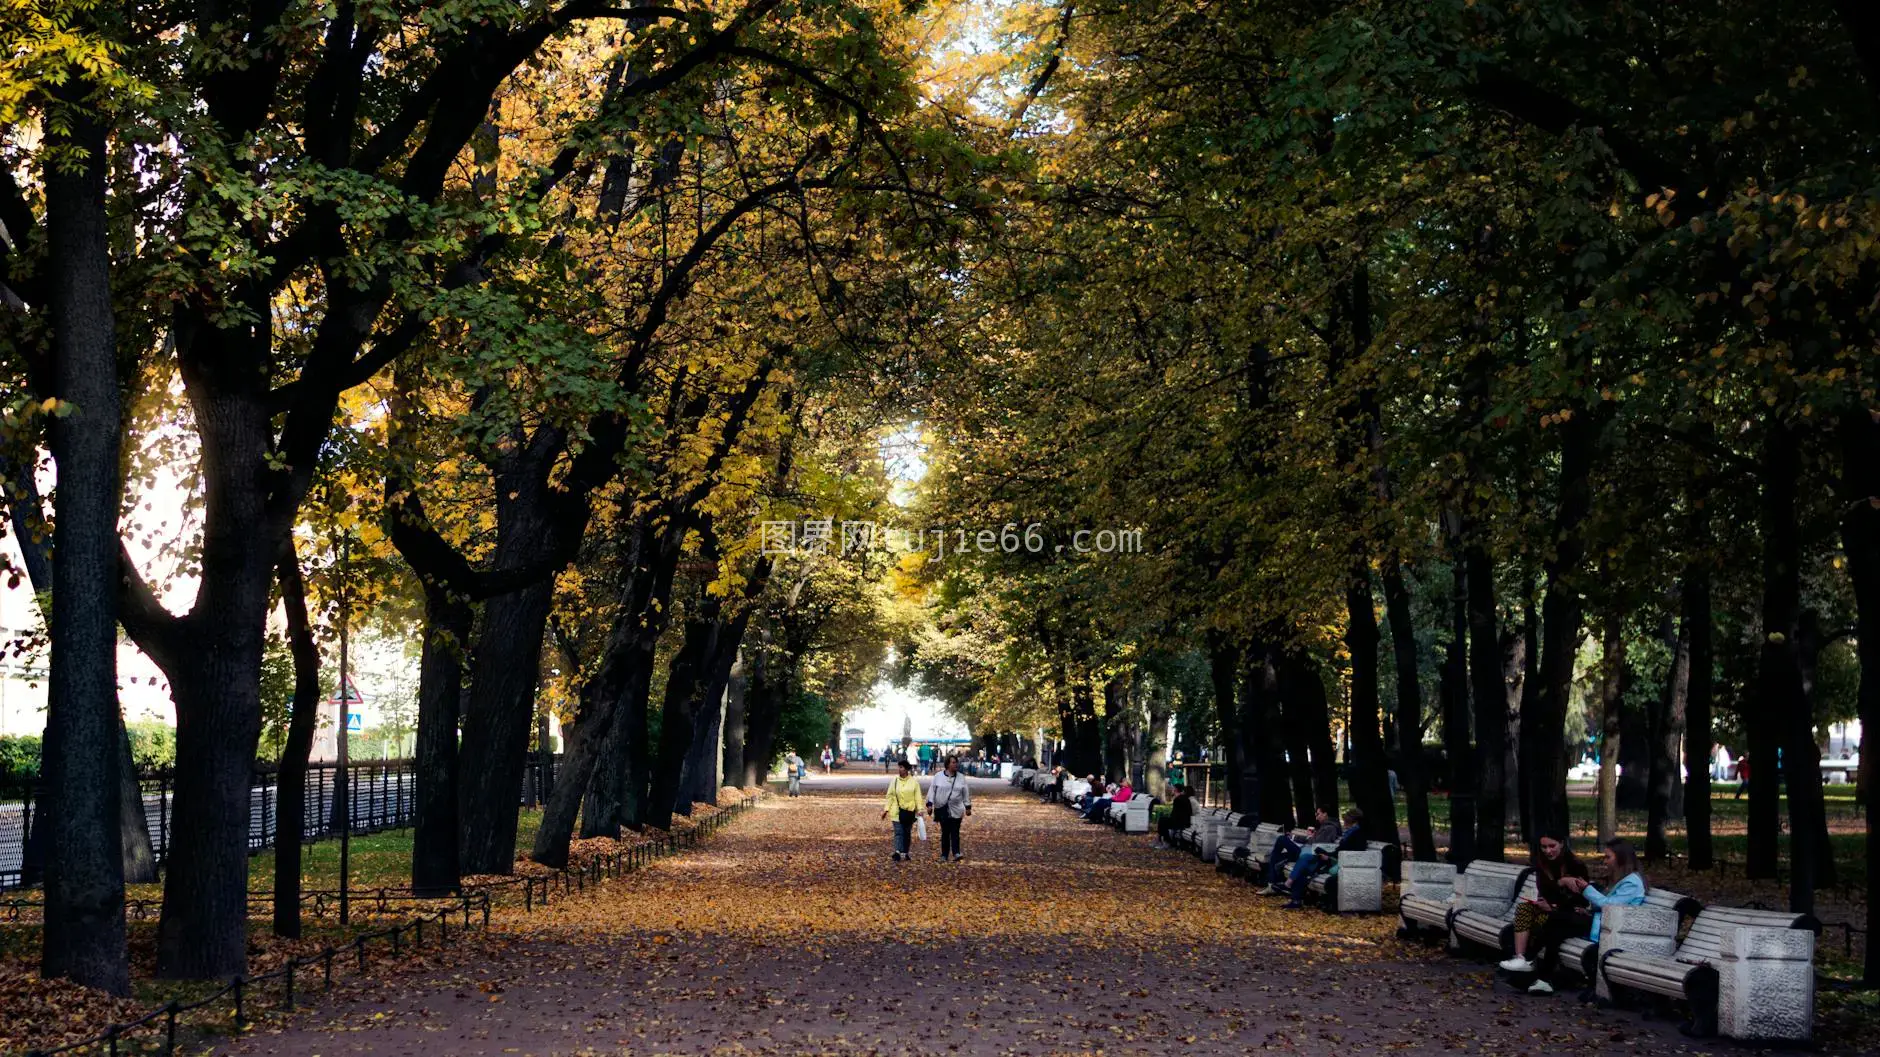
(792,933)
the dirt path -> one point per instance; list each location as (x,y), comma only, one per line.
(792,933)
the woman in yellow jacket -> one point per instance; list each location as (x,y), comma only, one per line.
(904,802)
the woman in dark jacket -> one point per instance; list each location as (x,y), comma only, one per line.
(1557,913)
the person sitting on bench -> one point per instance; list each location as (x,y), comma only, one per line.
(1286,850)
(1181,815)
(1099,808)
(1352,838)
(1555,915)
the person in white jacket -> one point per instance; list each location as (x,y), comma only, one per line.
(949,801)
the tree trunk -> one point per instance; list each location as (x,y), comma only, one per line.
(1806,774)
(1223,671)
(1860,538)
(84,934)
(763,705)
(1561,615)
(290,814)
(1489,686)
(733,768)
(1462,785)
(1667,738)
(1612,681)
(1267,784)
(1295,727)
(1115,729)
(597,733)
(762,709)
(1087,746)
(203,932)
(140,855)
(1528,690)
(1370,782)
(1155,747)
(506,668)
(1778,677)
(1635,758)
(434,863)
(1303,695)
(1410,774)
(1696,636)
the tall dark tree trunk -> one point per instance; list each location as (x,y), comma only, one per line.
(1370,781)
(1488,686)
(1116,728)
(435,867)
(596,732)
(506,669)
(1633,790)
(681,711)
(1268,790)
(1696,635)
(1667,739)
(1155,742)
(1613,677)
(1860,539)
(84,936)
(290,815)
(203,931)
(1410,774)
(1224,657)
(1778,676)
(1295,727)
(1303,694)
(763,707)
(1087,745)
(1562,613)
(140,855)
(733,767)
(1808,653)
(1528,709)
(1462,785)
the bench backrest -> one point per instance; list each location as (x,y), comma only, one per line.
(1493,888)
(1263,836)
(1704,941)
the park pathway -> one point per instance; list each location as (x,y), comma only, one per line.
(792,933)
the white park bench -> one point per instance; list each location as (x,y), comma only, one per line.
(1230,829)
(1132,815)
(1238,857)
(1485,890)
(1656,933)
(1190,838)
(1357,886)
(1747,974)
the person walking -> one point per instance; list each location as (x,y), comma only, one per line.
(904,805)
(949,801)
(828,758)
(793,769)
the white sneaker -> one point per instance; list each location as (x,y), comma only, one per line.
(1518,964)
(1540,987)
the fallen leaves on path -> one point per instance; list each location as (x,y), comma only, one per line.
(792,933)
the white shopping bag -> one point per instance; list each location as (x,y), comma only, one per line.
(920,827)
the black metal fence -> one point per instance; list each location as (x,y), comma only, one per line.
(234,1006)
(381,795)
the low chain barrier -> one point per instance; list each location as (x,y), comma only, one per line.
(243,992)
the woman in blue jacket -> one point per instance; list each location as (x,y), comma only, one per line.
(1627,891)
